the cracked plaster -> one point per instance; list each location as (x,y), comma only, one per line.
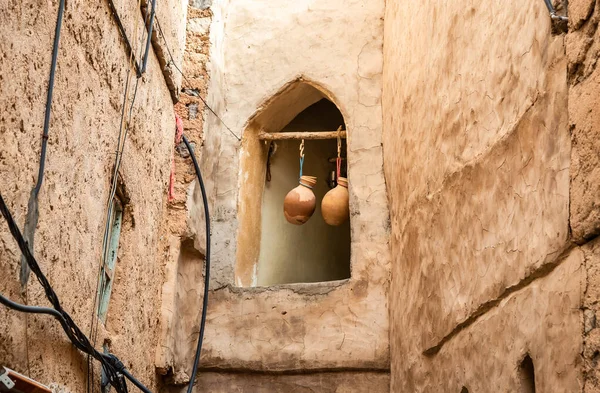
(477,157)
(254,54)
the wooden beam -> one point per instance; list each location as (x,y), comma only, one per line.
(279,136)
(13,381)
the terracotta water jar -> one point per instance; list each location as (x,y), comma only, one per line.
(299,204)
(335,205)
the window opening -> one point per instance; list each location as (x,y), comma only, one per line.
(271,250)
(527,375)
(314,251)
(110,258)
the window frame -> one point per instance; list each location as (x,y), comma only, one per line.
(109,259)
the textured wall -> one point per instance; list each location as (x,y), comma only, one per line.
(583,48)
(327,382)
(258,48)
(476,156)
(87,103)
(183,229)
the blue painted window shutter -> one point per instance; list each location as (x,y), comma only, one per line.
(110,259)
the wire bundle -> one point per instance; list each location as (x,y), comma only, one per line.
(113,367)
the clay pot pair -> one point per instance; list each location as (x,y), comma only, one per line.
(299,204)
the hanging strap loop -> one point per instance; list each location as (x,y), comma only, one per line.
(338,161)
(301,158)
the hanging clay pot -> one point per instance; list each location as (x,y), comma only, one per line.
(335,208)
(299,204)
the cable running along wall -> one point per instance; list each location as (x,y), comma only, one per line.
(111,365)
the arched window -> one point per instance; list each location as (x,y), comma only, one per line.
(270,250)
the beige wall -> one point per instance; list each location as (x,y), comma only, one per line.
(582,49)
(88,94)
(182,237)
(336,47)
(476,154)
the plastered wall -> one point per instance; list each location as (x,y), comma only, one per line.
(336,46)
(476,155)
(183,233)
(89,88)
(582,50)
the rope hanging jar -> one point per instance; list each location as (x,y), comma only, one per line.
(335,205)
(299,204)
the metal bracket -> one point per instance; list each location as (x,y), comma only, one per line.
(12,381)
(6,383)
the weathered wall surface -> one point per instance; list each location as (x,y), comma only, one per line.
(328,382)
(591,309)
(583,48)
(182,238)
(88,95)
(254,54)
(476,154)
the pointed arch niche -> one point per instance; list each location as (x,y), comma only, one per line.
(270,251)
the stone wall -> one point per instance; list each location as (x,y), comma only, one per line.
(183,241)
(476,156)
(582,49)
(88,95)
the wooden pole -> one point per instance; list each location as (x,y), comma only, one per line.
(279,136)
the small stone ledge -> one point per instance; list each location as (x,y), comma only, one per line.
(308,289)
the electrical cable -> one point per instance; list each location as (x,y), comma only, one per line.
(32,309)
(149,36)
(32,216)
(207,268)
(123,34)
(112,366)
(552,11)
(122,137)
(190,84)
(110,363)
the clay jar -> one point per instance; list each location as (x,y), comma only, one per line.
(299,204)
(335,208)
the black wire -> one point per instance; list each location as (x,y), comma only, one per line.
(207,272)
(123,33)
(61,9)
(149,36)
(135,381)
(31,218)
(190,84)
(111,365)
(33,310)
(50,311)
(549,6)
